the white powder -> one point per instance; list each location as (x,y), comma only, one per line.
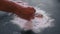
(38,23)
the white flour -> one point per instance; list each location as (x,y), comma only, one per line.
(38,23)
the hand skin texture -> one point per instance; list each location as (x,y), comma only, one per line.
(23,12)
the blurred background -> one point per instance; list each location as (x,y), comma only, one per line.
(50,6)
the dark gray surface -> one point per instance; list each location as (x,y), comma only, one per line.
(52,6)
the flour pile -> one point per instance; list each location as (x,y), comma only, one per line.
(38,23)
